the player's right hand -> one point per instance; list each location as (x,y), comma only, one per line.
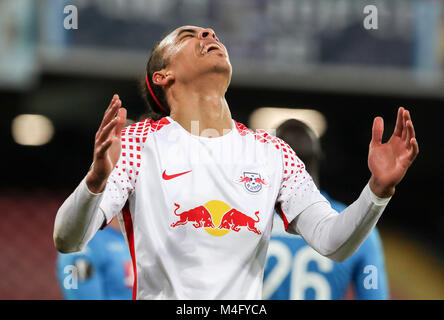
(107,146)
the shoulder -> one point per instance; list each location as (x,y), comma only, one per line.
(140,130)
(261,136)
(134,137)
(290,161)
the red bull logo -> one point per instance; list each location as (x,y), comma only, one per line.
(233,220)
(199,216)
(217,218)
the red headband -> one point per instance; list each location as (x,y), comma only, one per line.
(152,94)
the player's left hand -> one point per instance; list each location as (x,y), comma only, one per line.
(388,162)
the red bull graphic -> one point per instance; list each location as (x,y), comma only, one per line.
(260,181)
(244,179)
(199,216)
(235,219)
(217,218)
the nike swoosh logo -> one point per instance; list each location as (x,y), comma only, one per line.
(172,176)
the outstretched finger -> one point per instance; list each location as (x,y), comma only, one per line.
(404,125)
(105,133)
(410,130)
(103,148)
(399,122)
(408,119)
(121,121)
(415,149)
(111,111)
(111,104)
(377,130)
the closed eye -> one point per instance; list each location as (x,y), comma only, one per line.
(184,38)
(186,33)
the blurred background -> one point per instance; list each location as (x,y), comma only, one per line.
(309,59)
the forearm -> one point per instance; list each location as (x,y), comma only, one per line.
(77,220)
(335,235)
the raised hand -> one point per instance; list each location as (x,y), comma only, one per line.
(388,162)
(107,145)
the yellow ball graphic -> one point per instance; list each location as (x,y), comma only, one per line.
(217,210)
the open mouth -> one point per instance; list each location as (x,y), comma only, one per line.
(210,47)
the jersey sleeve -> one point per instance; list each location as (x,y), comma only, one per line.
(369,276)
(122,180)
(297,190)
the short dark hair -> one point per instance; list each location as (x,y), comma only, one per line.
(155,63)
(303,141)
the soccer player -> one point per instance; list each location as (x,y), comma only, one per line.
(295,271)
(198,190)
(103,269)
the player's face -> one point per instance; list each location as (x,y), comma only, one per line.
(193,51)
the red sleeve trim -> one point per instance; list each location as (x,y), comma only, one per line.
(282,215)
(130,237)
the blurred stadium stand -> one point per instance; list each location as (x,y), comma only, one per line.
(27,252)
(288,54)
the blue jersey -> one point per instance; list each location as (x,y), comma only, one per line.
(295,271)
(102,271)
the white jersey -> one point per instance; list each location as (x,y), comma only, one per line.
(198,212)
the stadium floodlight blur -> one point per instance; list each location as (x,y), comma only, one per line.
(32,129)
(270,118)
